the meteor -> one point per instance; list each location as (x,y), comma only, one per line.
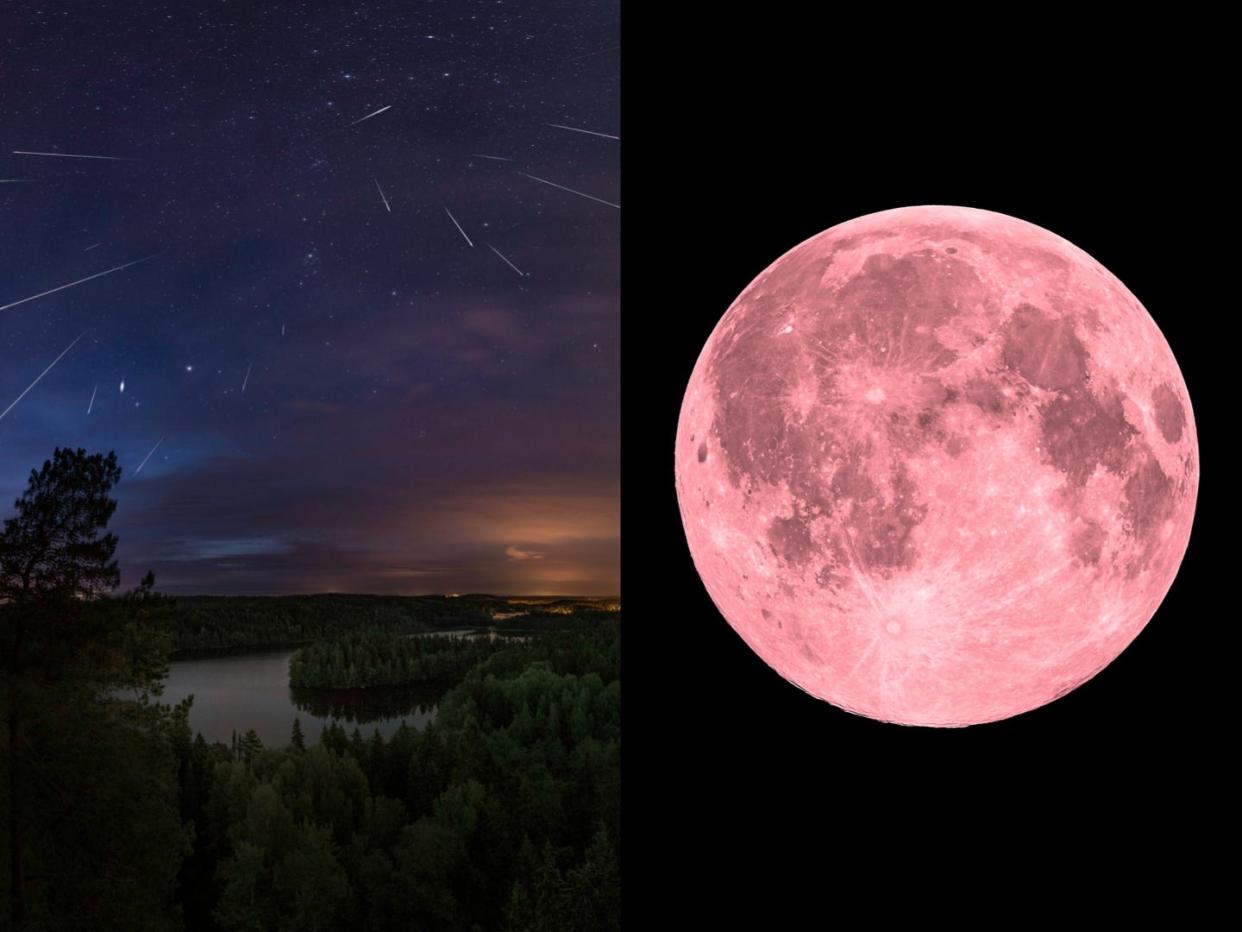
(66,155)
(382,198)
(506,261)
(90,406)
(574,129)
(494,158)
(247,378)
(563,188)
(451,217)
(44,294)
(144,462)
(369,115)
(41,375)
(599,52)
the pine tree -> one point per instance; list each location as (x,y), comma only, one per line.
(249,745)
(50,553)
(297,740)
(70,738)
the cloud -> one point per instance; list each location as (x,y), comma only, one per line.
(276,527)
(539,511)
(517,553)
(188,551)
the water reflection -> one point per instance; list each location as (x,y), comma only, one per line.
(237,692)
(369,705)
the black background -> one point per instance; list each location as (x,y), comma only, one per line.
(740,789)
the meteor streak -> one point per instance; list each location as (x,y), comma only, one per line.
(247,378)
(563,188)
(66,155)
(144,462)
(494,158)
(574,129)
(599,52)
(44,294)
(506,261)
(451,217)
(90,406)
(382,198)
(41,375)
(369,115)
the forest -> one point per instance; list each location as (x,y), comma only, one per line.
(501,814)
(206,623)
(378,658)
(582,615)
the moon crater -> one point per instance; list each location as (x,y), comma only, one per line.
(946,466)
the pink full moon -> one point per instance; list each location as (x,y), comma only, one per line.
(937,466)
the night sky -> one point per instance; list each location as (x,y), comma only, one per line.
(347,395)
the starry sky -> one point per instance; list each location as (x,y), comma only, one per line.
(369,336)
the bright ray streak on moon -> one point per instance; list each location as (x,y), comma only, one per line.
(574,129)
(149,455)
(246,380)
(41,375)
(369,115)
(451,217)
(90,406)
(506,261)
(494,158)
(78,282)
(563,188)
(382,198)
(67,155)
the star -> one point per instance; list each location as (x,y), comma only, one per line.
(275,210)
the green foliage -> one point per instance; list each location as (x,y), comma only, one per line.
(249,745)
(374,658)
(93,829)
(503,814)
(52,549)
(550,898)
(577,618)
(205,623)
(104,838)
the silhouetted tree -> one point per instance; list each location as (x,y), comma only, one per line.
(297,739)
(51,552)
(52,548)
(249,744)
(76,753)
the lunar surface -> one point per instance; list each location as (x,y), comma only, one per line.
(937,466)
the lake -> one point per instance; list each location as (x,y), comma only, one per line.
(251,690)
(240,691)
